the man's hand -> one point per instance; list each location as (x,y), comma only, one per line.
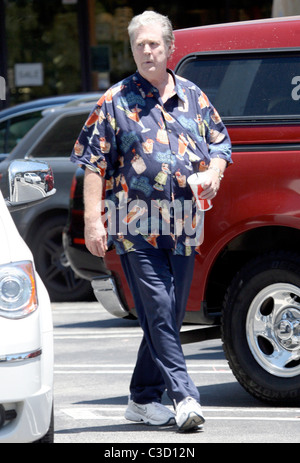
(95,232)
(95,237)
(212,185)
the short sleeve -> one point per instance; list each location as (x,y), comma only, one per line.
(96,146)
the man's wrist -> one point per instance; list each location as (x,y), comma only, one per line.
(218,170)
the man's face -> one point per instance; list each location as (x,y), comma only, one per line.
(150,51)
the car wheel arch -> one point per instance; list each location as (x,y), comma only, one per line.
(229,258)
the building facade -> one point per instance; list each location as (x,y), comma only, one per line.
(66,46)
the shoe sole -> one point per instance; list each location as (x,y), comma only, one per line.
(138,419)
(193,422)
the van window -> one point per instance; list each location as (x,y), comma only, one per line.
(60,139)
(252,85)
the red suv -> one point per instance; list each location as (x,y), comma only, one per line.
(246,283)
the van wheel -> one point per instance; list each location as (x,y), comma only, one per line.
(62,283)
(261,328)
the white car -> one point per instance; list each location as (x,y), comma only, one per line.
(26,330)
(31,177)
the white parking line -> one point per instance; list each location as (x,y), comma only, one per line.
(132,365)
(228,413)
(96,369)
(98,334)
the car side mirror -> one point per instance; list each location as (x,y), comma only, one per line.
(30,182)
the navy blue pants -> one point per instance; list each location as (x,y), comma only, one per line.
(160,285)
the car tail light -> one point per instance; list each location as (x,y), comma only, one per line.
(18,296)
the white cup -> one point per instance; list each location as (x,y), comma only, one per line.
(196,182)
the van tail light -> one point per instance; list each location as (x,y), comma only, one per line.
(73,187)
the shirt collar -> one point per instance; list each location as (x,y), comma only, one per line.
(148,87)
(178,89)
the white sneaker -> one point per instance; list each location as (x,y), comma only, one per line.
(189,414)
(153,413)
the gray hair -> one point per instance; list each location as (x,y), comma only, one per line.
(151,17)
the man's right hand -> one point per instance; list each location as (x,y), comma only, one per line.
(94,231)
(95,237)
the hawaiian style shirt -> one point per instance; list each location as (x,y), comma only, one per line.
(146,150)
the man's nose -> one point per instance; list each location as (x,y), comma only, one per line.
(147,48)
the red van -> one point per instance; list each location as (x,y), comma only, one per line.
(247,276)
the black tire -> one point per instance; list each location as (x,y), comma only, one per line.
(261,338)
(59,278)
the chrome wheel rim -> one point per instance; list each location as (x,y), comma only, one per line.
(273,329)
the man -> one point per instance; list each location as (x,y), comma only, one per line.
(147,134)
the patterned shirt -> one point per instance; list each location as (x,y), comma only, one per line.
(146,150)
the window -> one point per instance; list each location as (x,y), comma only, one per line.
(19,126)
(60,139)
(12,130)
(253,85)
